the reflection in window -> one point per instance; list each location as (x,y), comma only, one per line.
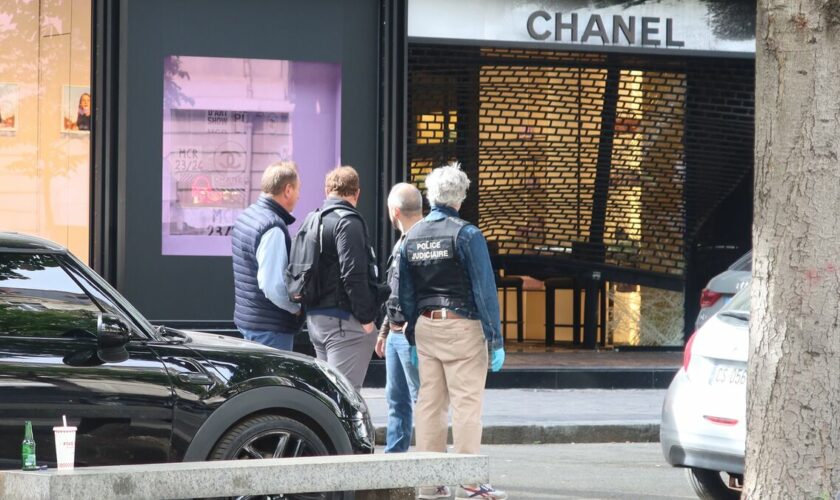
(45,120)
(39,299)
(224,121)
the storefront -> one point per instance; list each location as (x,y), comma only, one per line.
(612,146)
(191,101)
(610,143)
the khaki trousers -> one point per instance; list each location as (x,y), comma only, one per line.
(452,355)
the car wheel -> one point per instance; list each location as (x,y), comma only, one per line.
(272,436)
(710,485)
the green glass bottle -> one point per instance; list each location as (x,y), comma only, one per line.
(27,450)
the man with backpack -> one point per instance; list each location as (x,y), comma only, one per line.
(333,273)
(263,312)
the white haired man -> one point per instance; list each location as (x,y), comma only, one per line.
(449,300)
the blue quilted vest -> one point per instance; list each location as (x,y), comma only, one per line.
(253,310)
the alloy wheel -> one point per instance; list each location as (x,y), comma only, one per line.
(279,444)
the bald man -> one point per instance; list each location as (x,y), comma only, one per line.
(405,208)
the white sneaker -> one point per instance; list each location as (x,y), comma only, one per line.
(480,491)
(433,492)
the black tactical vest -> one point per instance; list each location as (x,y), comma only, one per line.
(440,278)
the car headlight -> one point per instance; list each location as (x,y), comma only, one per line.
(342,383)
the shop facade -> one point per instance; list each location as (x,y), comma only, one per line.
(609,143)
(190,102)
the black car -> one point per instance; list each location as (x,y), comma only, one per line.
(71,345)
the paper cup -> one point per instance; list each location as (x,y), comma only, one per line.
(65,446)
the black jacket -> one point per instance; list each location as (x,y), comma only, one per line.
(392,305)
(345,277)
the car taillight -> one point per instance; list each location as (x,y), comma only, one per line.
(720,420)
(708,298)
(687,352)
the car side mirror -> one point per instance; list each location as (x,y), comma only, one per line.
(112,335)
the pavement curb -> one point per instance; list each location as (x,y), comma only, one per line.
(595,377)
(560,434)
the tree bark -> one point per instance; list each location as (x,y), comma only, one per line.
(793,407)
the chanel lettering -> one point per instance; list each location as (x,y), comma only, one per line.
(617,31)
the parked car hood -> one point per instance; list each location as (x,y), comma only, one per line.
(215,340)
(239,360)
(212,341)
(242,365)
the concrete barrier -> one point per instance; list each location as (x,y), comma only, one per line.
(559,434)
(392,476)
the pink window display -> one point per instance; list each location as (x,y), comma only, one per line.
(224,121)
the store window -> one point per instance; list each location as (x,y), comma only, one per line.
(224,121)
(45,120)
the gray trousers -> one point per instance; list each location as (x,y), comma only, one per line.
(342,344)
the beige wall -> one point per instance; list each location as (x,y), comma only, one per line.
(45,172)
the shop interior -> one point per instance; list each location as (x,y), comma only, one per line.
(609,186)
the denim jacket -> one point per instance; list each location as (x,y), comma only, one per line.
(472,251)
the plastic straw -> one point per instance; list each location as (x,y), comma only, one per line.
(64,418)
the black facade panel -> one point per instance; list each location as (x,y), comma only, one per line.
(201,288)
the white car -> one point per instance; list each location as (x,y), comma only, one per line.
(723,287)
(703,418)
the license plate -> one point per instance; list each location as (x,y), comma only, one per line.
(728,375)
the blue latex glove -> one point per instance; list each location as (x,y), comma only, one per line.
(414,360)
(497,359)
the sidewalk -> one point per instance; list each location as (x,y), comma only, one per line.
(529,416)
(533,366)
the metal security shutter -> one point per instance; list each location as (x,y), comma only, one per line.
(585,160)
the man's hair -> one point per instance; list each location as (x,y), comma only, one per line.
(407,198)
(277,176)
(447,185)
(343,181)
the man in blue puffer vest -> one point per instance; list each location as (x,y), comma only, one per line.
(261,244)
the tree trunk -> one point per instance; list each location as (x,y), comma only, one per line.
(793,407)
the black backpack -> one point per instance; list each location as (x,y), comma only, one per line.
(302,272)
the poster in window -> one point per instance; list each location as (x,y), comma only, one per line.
(9,107)
(75,109)
(224,121)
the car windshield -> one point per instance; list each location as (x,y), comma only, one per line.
(740,303)
(141,321)
(743,264)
